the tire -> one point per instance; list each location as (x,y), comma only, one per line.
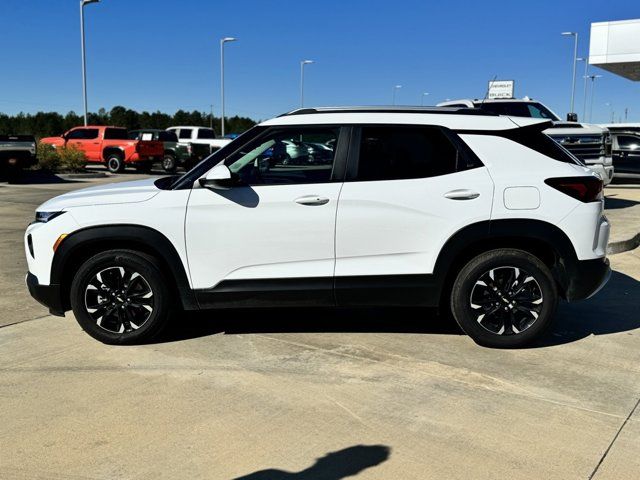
(115,162)
(169,163)
(504,298)
(120,297)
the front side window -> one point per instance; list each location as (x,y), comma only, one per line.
(77,134)
(185,133)
(627,142)
(396,152)
(286,157)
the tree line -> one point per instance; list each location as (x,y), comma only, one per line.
(47,124)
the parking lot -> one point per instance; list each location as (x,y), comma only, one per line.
(317,394)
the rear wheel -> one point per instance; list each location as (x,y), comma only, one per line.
(115,162)
(120,297)
(504,298)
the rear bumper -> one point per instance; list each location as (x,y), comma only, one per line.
(48,295)
(586,278)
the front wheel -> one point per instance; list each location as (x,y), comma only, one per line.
(504,298)
(120,297)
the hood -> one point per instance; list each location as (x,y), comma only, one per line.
(567,128)
(124,192)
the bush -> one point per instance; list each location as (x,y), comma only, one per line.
(48,157)
(72,159)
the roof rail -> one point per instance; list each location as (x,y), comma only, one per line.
(392,109)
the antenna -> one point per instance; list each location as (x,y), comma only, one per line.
(488,87)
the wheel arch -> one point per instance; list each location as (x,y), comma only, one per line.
(109,150)
(542,239)
(82,244)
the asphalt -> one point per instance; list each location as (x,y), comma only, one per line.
(314,394)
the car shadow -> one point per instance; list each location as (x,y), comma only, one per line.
(189,325)
(333,466)
(612,310)
(35,177)
(613,203)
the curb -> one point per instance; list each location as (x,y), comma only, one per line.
(624,245)
(83,175)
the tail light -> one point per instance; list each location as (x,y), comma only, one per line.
(585,189)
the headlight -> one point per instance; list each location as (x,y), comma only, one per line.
(44,217)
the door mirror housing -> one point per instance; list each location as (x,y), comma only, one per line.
(219,178)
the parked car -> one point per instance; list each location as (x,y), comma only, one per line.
(590,143)
(111,146)
(626,155)
(480,215)
(175,154)
(16,152)
(200,136)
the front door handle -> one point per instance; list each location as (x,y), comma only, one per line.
(312,200)
(461,194)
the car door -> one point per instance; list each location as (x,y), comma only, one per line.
(626,155)
(408,189)
(86,139)
(270,237)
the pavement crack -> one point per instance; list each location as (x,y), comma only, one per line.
(615,437)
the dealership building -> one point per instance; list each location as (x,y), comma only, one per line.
(615,47)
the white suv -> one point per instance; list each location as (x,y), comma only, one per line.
(480,215)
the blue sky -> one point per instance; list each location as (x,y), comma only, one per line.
(164,54)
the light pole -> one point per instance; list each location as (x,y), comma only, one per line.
(302,64)
(422,98)
(593,91)
(584,100)
(393,93)
(222,42)
(84,61)
(575,59)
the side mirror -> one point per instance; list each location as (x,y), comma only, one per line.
(219,178)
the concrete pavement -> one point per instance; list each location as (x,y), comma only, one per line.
(322,394)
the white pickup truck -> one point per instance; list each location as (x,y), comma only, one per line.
(588,142)
(199,136)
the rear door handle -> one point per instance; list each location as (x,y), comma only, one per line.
(312,200)
(461,194)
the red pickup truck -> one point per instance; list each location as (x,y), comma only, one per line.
(111,146)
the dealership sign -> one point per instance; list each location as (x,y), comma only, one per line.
(500,89)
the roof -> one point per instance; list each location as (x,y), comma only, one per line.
(453,118)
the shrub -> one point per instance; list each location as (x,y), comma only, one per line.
(72,159)
(48,157)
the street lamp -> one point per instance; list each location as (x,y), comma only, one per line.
(84,61)
(222,42)
(302,64)
(584,100)
(575,59)
(422,98)
(393,93)
(593,87)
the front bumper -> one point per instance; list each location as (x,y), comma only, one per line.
(586,278)
(48,295)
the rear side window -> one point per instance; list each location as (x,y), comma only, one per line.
(206,133)
(531,137)
(185,133)
(115,134)
(396,152)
